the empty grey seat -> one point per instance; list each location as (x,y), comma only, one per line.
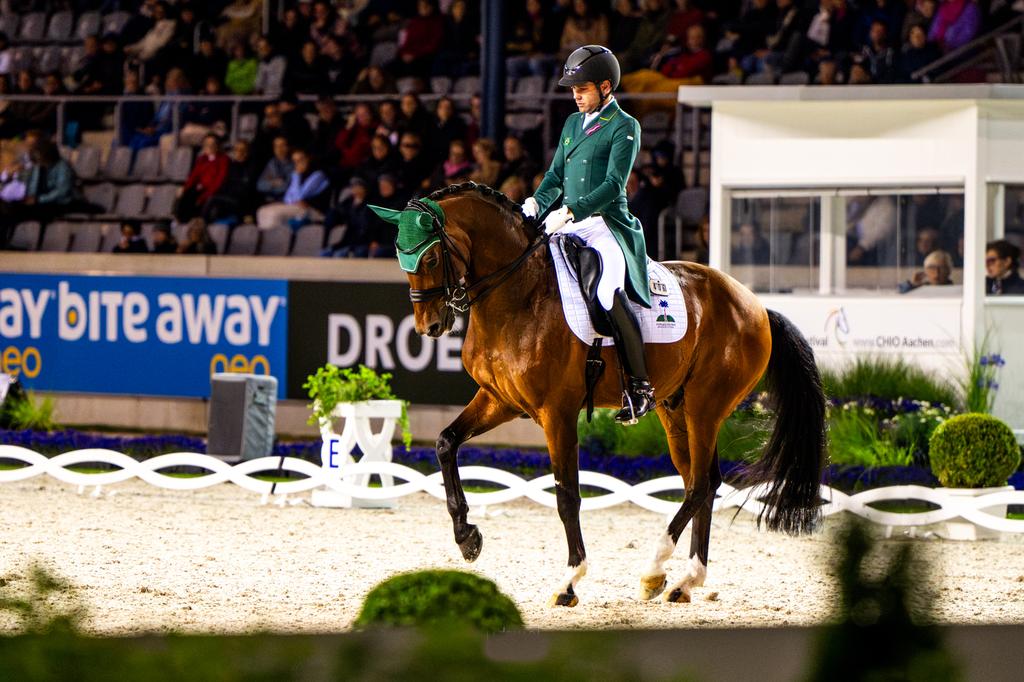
(409,84)
(131,200)
(180,231)
(524,121)
(762,78)
(87,162)
(179,164)
(114,22)
(25,237)
(110,236)
(161,201)
(219,234)
(61,24)
(244,240)
(23,59)
(440,85)
(50,59)
(102,194)
(86,237)
(119,163)
(71,59)
(795,78)
(248,126)
(147,164)
(335,235)
(383,53)
(276,241)
(727,79)
(56,237)
(88,25)
(467,85)
(33,26)
(9,24)
(308,240)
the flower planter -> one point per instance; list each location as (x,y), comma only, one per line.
(337,450)
(962,529)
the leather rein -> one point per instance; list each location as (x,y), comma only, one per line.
(455,292)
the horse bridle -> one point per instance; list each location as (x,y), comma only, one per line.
(457,294)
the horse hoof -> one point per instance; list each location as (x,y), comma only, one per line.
(471,546)
(678,595)
(564,599)
(652,586)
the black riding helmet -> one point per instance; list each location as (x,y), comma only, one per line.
(590,64)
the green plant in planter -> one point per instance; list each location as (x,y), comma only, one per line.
(20,410)
(331,385)
(973,451)
(430,598)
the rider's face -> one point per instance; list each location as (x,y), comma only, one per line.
(587,97)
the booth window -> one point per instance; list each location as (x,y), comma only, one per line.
(866,239)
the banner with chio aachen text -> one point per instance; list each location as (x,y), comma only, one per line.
(159,336)
(353,323)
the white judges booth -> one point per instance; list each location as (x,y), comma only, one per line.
(825,201)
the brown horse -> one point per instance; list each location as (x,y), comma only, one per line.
(518,348)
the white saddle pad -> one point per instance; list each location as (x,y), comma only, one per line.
(663,322)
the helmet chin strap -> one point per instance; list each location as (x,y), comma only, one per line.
(601,102)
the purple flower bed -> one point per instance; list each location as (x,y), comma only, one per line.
(527,463)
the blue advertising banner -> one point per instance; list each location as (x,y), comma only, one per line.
(140,335)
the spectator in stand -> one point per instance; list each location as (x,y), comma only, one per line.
(359,221)
(447,126)
(691,66)
(271,127)
(938,266)
(413,165)
(197,240)
(163,240)
(206,117)
(325,24)
(270,71)
(42,113)
(21,114)
(531,46)
(685,15)
(383,234)
(922,15)
(329,122)
(374,81)
(1002,261)
(486,169)
(181,48)
(829,33)
(928,239)
(242,20)
(957,23)
(419,42)
(277,173)
(784,44)
(207,176)
(877,57)
(149,47)
(889,12)
(235,201)
(305,200)
(650,34)
(387,121)
(414,118)
(460,51)
(340,65)
(134,115)
(290,34)
(308,74)
(828,72)
(749,34)
(209,61)
(88,76)
(381,162)
(162,124)
(241,71)
(131,239)
(517,162)
(354,141)
(514,188)
(917,54)
(50,188)
(7,123)
(6,55)
(294,121)
(749,247)
(584,26)
(456,168)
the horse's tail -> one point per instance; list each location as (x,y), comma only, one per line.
(793,459)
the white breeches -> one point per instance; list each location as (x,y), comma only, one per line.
(595,232)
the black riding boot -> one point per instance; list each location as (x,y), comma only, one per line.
(638,398)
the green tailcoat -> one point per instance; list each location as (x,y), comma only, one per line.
(589,170)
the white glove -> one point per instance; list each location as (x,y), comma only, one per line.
(556,220)
(530,208)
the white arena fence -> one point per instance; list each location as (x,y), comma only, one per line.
(512,486)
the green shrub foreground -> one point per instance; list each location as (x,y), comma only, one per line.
(973,451)
(439,597)
(887,377)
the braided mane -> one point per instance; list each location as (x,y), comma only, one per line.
(511,209)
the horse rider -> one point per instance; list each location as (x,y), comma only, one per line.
(595,155)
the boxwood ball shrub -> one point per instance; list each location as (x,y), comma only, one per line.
(437,597)
(973,451)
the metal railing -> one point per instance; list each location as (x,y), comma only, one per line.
(980,50)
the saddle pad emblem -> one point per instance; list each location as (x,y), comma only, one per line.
(664,322)
(658,288)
